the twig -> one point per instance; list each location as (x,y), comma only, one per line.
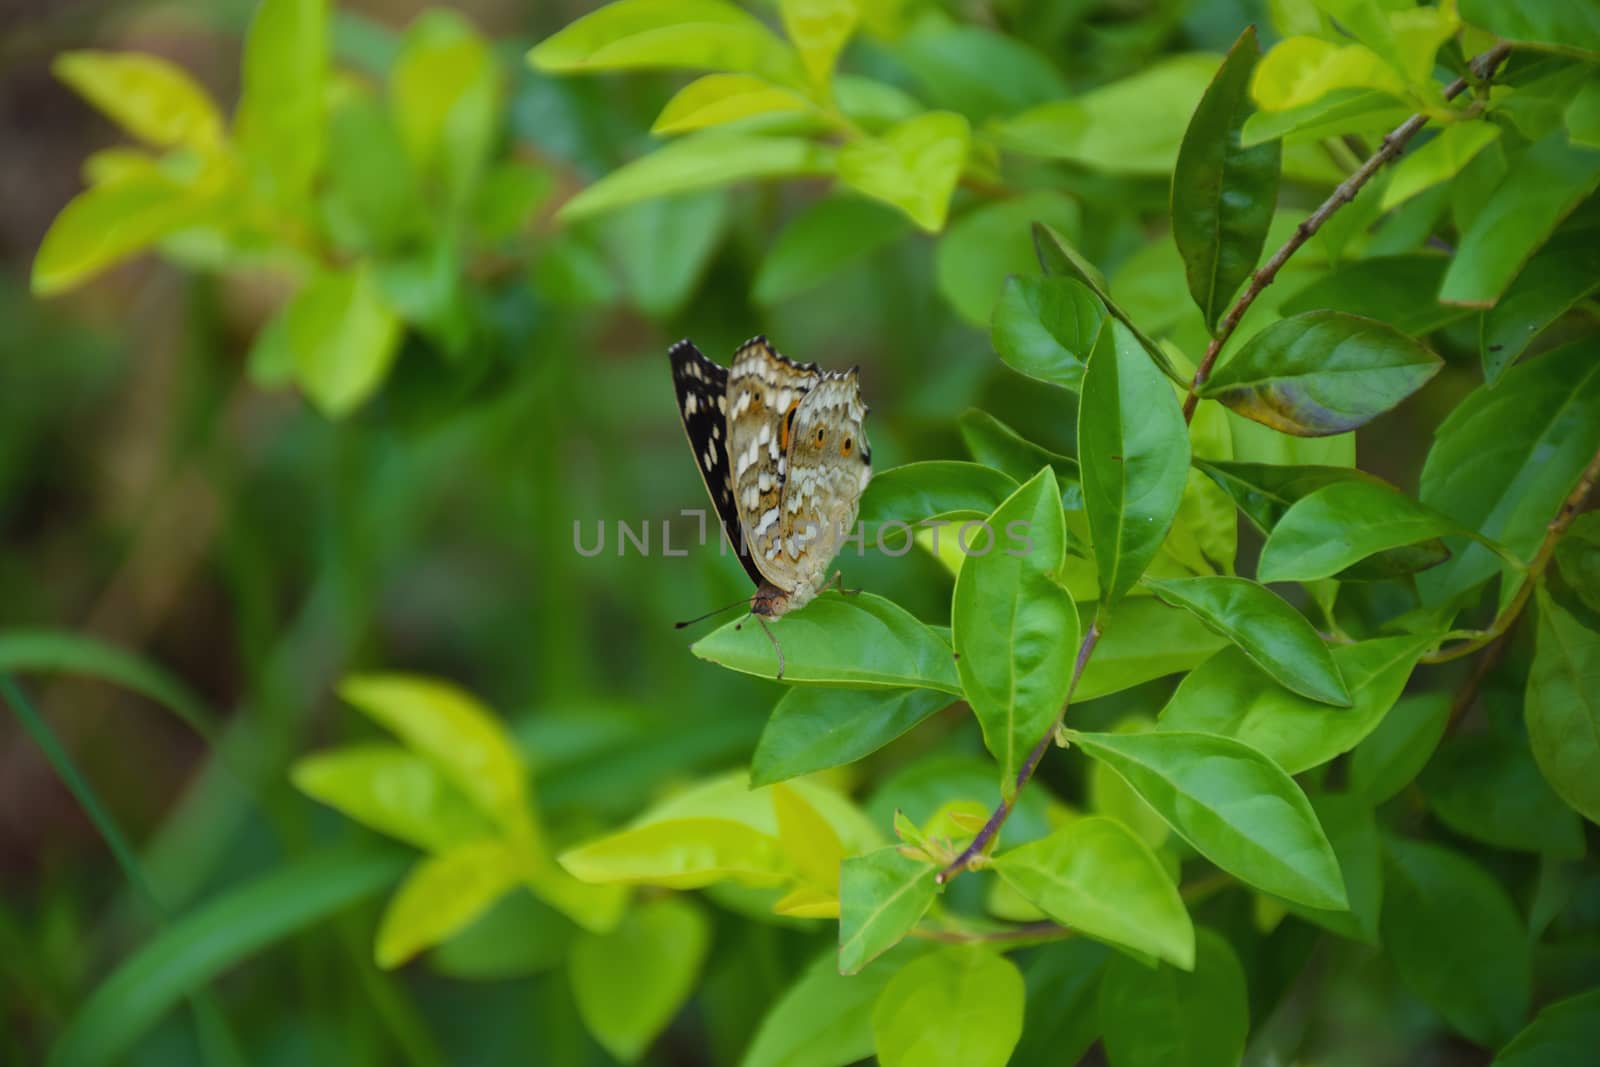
(1025,772)
(1482,66)
(1570,507)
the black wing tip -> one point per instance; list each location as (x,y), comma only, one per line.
(684,347)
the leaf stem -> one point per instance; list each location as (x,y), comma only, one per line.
(997,819)
(1481,67)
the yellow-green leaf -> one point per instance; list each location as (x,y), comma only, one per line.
(719,98)
(449,728)
(395,792)
(281,122)
(156,101)
(109,222)
(440,896)
(914,165)
(692,34)
(807,839)
(819,29)
(629,983)
(344,336)
(1304,69)
(1438,161)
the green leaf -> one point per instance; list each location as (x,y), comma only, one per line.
(1233,804)
(980,72)
(1563,273)
(393,791)
(825,1019)
(692,34)
(1353,833)
(1337,113)
(451,730)
(663,246)
(1486,787)
(1545,184)
(203,944)
(1393,754)
(1228,695)
(1046,327)
(1015,629)
(447,95)
(933,489)
(820,241)
(1148,640)
(1169,1018)
(442,895)
(1134,450)
(986,246)
(959,1006)
(1478,983)
(1264,492)
(1437,161)
(1342,524)
(813,729)
(1321,373)
(372,202)
(1563,707)
(1223,193)
(110,222)
(1274,635)
(705,160)
(715,99)
(156,101)
(1505,458)
(1094,875)
(1057,256)
(58,652)
(1061,1017)
(281,121)
(913,165)
(629,983)
(1582,116)
(1566,1032)
(1397,290)
(882,894)
(1134,125)
(508,196)
(859,641)
(1572,28)
(819,29)
(344,337)
(994,444)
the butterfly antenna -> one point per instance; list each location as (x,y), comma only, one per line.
(741,602)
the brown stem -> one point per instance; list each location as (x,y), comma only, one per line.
(1000,814)
(1570,507)
(1481,66)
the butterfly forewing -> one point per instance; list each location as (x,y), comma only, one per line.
(702,389)
(764,392)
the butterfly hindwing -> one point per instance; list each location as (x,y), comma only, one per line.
(702,391)
(764,392)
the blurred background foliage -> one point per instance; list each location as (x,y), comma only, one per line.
(200,518)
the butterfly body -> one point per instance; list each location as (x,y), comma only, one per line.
(784,457)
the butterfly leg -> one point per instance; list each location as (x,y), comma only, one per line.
(837,581)
(775,646)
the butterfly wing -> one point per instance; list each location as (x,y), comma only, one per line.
(764,392)
(702,388)
(829,464)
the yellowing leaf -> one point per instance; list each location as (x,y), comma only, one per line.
(1303,69)
(682,854)
(395,792)
(692,34)
(110,222)
(149,97)
(719,98)
(446,726)
(807,839)
(914,165)
(808,903)
(819,29)
(440,896)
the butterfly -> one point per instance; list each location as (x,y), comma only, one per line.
(785,458)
